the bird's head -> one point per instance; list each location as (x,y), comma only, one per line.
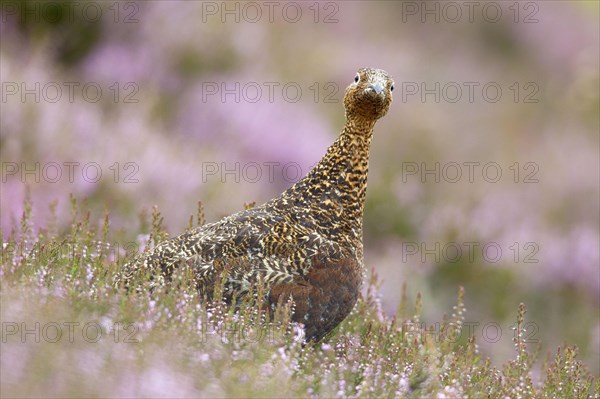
(368,98)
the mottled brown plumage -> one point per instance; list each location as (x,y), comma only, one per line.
(305,243)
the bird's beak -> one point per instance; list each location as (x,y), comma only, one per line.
(377,87)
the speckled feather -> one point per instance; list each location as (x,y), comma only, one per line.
(305,243)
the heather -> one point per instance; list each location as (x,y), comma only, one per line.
(68,332)
(496,195)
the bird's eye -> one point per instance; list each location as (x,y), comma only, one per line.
(356,78)
(392,88)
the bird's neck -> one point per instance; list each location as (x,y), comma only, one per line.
(337,185)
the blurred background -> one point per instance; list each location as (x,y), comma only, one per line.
(484,174)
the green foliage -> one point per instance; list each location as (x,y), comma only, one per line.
(173,343)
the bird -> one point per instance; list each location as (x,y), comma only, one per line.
(305,244)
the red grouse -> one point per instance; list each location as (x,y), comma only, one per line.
(306,243)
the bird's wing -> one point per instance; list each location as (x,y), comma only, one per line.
(246,245)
